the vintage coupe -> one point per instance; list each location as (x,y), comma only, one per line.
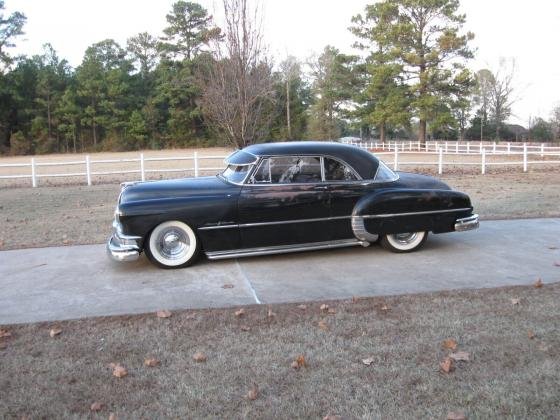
(284,197)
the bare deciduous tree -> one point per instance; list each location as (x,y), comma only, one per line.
(501,93)
(237,86)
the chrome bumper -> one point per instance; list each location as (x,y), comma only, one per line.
(122,247)
(467,223)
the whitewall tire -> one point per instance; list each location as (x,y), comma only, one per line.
(172,244)
(404,242)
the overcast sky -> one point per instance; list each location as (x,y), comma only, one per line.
(527,31)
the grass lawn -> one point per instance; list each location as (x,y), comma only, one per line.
(509,375)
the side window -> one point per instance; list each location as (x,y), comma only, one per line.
(337,171)
(289,170)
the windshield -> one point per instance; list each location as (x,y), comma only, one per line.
(236,173)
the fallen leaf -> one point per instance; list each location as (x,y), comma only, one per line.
(331,311)
(460,356)
(5,333)
(270,313)
(55,331)
(446,365)
(299,362)
(531,334)
(556,264)
(191,316)
(384,308)
(96,406)
(151,362)
(355,299)
(449,344)
(368,361)
(302,307)
(112,416)
(240,312)
(324,307)
(200,357)
(323,325)
(164,313)
(515,301)
(227,286)
(538,283)
(253,393)
(118,370)
(456,415)
(245,328)
(65,241)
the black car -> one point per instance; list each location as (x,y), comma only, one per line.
(285,197)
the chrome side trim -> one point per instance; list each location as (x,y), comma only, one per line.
(250,252)
(412,213)
(280,222)
(467,223)
(360,231)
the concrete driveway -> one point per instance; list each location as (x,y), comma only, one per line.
(46,284)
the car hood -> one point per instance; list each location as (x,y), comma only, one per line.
(176,188)
(417,181)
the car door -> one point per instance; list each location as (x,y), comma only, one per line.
(285,202)
(345,189)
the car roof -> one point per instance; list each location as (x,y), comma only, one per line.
(363,162)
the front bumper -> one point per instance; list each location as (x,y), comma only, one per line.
(467,223)
(122,247)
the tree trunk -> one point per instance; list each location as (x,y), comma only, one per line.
(498,131)
(481,128)
(288,109)
(422,131)
(382,132)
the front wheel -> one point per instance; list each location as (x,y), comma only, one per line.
(404,242)
(172,244)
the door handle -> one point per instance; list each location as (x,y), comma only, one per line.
(321,188)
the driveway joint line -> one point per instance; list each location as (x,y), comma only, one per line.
(248,283)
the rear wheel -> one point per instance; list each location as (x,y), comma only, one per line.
(404,242)
(172,244)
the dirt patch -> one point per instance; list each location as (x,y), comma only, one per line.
(66,215)
(513,370)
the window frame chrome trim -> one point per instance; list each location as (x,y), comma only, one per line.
(359,179)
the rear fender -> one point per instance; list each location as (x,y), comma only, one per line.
(409,210)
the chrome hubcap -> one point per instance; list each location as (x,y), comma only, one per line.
(173,243)
(405,238)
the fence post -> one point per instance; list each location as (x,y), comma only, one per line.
(143,177)
(440,161)
(403,146)
(480,147)
(33,174)
(410,146)
(509,148)
(196,164)
(468,147)
(418,145)
(88,171)
(483,168)
(446,147)
(457,147)
(396,162)
(524,157)
(542,149)
(494,147)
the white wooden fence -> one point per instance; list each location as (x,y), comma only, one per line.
(435,154)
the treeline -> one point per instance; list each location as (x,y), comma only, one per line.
(200,85)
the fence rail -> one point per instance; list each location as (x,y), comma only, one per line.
(436,154)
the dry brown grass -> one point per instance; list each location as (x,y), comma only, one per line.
(509,375)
